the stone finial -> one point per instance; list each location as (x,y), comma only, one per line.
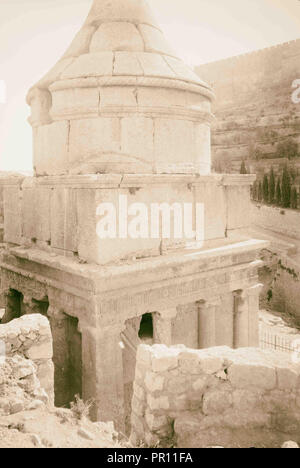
(120,101)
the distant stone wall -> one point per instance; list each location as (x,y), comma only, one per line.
(280,220)
(215,397)
(254,107)
(30,337)
(280,276)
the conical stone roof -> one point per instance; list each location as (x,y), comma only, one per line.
(119,65)
(120,38)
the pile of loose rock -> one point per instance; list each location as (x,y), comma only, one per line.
(20,388)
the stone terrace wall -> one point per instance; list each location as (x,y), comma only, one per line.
(30,337)
(215,397)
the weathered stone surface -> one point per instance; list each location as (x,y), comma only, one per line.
(154,65)
(42,351)
(154,40)
(117,37)
(92,64)
(241,411)
(117,96)
(75,102)
(216,402)
(13,214)
(244,376)
(153,382)
(91,137)
(155,422)
(161,362)
(287,378)
(51,148)
(172,139)
(137,138)
(127,64)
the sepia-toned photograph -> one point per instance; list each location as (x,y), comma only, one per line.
(149,227)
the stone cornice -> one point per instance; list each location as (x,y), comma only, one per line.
(128,180)
(93,82)
(96,279)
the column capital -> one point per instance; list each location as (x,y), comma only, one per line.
(244,294)
(56,314)
(209,303)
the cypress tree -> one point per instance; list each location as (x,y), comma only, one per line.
(265,188)
(286,188)
(260,192)
(254,191)
(278,193)
(243,168)
(294,198)
(272,186)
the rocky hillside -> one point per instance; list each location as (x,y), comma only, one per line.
(254,107)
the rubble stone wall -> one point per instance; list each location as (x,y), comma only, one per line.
(29,337)
(214,397)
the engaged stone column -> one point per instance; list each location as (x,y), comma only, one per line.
(246,318)
(163,326)
(58,323)
(102,378)
(207,323)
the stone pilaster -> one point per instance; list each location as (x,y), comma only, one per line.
(246,318)
(207,323)
(163,324)
(58,323)
(103,373)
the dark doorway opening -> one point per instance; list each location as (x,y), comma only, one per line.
(146,327)
(13,306)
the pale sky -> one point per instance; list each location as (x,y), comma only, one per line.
(35,33)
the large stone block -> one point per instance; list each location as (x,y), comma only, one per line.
(173,142)
(155,40)
(117,37)
(181,70)
(40,105)
(161,97)
(238,200)
(245,376)
(12,214)
(216,402)
(126,63)
(93,64)
(64,226)
(213,198)
(90,138)
(51,148)
(36,213)
(155,65)
(117,96)
(75,102)
(137,138)
(203,149)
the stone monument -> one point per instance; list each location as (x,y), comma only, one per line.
(121,121)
